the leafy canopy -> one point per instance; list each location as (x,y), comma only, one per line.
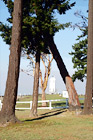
(79,52)
(38,22)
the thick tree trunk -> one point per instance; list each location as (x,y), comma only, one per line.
(73,97)
(36,86)
(7,113)
(43,98)
(89,84)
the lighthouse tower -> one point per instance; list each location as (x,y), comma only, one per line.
(52,87)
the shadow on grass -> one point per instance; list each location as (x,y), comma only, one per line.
(58,104)
(20,109)
(48,114)
(55,111)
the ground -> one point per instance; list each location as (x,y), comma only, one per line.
(58,124)
(49,125)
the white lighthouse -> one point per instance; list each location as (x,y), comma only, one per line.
(52,87)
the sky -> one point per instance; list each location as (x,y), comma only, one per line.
(63,40)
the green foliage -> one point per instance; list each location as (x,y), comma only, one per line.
(79,54)
(6,33)
(38,22)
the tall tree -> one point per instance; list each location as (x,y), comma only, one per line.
(46,60)
(43,75)
(39,23)
(7,113)
(89,84)
(36,85)
(73,96)
(79,52)
(48,26)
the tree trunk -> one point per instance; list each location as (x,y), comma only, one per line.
(46,76)
(89,84)
(36,86)
(73,97)
(7,113)
(43,97)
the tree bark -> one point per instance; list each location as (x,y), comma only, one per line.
(46,76)
(73,96)
(43,97)
(36,86)
(7,113)
(89,84)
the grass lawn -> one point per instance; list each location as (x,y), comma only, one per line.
(48,97)
(58,124)
(49,125)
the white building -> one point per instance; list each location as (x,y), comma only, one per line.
(52,85)
(65,94)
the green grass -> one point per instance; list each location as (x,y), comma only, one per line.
(58,124)
(49,125)
(48,97)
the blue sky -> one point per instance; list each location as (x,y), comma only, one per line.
(64,41)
